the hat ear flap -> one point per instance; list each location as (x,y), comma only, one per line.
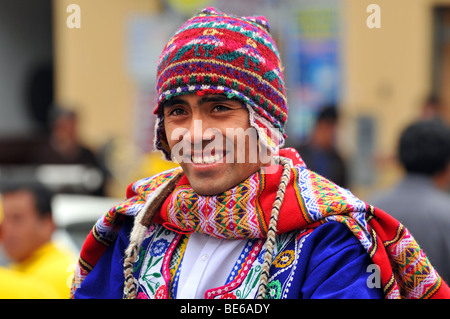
(160,138)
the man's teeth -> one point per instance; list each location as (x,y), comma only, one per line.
(206,159)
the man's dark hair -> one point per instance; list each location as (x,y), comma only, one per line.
(328,113)
(59,112)
(42,197)
(424,147)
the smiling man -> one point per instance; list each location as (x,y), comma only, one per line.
(241,217)
(216,142)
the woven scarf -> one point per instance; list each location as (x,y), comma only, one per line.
(244,211)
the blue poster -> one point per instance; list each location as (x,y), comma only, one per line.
(313,68)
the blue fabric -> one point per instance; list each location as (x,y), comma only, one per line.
(106,280)
(332,264)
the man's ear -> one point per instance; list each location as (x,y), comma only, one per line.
(442,179)
(447,177)
(47,226)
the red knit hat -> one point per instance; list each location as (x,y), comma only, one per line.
(217,53)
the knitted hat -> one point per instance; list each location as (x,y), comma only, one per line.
(217,53)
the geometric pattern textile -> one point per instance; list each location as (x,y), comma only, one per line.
(310,201)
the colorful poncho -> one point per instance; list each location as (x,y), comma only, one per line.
(244,212)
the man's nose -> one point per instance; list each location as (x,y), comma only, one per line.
(200,130)
(196,130)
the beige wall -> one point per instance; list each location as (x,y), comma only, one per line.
(90,72)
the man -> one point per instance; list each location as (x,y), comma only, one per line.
(26,236)
(431,109)
(420,200)
(64,147)
(240,218)
(319,151)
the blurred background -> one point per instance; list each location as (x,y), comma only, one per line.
(77,86)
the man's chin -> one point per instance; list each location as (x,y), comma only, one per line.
(217,179)
(208,186)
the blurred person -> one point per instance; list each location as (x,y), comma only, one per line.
(26,236)
(64,145)
(259,226)
(3,259)
(419,200)
(431,109)
(17,285)
(319,151)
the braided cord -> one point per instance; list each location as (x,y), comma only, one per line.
(272,230)
(143,219)
(131,253)
(141,223)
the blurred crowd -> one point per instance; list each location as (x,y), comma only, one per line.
(35,262)
(32,263)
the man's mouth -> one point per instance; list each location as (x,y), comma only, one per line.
(206,158)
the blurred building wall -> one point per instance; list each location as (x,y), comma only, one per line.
(90,65)
(388,74)
(24,46)
(91,77)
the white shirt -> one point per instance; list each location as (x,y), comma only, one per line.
(207,263)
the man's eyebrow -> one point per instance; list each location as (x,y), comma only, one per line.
(216,98)
(203,100)
(213,98)
(174,101)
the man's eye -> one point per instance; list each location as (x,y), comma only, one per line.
(177,111)
(220,108)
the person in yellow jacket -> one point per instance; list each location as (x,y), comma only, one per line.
(39,269)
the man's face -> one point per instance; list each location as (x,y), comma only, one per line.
(211,138)
(22,230)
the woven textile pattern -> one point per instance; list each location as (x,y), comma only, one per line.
(229,215)
(106,228)
(310,201)
(412,263)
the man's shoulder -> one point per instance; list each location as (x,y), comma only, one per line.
(323,197)
(329,237)
(150,184)
(331,242)
(333,231)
